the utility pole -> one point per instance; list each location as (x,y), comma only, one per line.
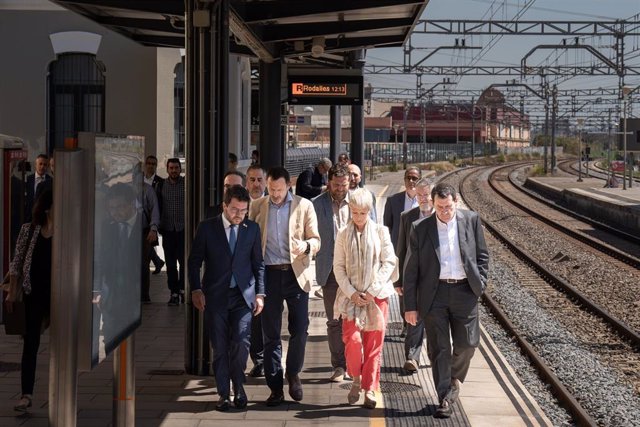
(404,137)
(554,112)
(473,131)
(580,123)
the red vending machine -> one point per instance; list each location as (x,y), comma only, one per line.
(13,158)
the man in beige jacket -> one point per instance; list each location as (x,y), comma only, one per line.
(290,238)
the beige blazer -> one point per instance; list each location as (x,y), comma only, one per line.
(303,225)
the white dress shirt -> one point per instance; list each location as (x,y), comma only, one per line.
(410,203)
(451,266)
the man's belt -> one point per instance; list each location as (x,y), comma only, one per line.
(278,267)
(453,281)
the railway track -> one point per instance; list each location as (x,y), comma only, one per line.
(615,342)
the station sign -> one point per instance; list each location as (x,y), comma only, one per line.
(325,90)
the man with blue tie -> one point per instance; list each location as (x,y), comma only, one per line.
(229,292)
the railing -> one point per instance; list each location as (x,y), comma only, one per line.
(385,154)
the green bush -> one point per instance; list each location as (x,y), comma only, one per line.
(536,170)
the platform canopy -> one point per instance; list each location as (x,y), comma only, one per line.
(267,29)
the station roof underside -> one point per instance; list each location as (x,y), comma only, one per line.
(285,28)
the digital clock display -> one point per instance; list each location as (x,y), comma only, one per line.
(325,90)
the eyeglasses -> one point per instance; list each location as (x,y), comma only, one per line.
(411,178)
(236,211)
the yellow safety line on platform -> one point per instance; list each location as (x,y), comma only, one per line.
(384,189)
(377,415)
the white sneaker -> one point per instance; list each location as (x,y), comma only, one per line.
(338,375)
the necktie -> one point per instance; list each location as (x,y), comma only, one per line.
(124,232)
(232,246)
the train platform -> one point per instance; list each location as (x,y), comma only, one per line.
(613,206)
(167,396)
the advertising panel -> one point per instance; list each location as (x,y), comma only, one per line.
(114,268)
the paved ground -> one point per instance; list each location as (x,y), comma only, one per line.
(166,396)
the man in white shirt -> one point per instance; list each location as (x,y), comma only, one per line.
(400,202)
(444,276)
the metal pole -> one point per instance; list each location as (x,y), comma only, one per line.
(624,142)
(546,132)
(124,384)
(554,110)
(579,155)
(610,169)
(473,131)
(335,131)
(69,225)
(404,136)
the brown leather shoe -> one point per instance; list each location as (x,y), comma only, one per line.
(295,387)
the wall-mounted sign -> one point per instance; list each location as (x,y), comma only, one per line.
(325,90)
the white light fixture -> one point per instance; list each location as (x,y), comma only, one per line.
(317,46)
(75,42)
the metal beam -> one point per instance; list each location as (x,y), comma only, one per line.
(541,28)
(346,44)
(261,12)
(273,33)
(164,25)
(511,70)
(165,41)
(165,7)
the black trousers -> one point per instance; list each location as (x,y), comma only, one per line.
(173,245)
(36,308)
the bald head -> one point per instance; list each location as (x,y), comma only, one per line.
(355,176)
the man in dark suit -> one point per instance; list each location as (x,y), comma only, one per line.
(313,181)
(400,202)
(231,290)
(444,276)
(415,334)
(333,213)
(36,184)
(256,186)
(150,177)
(119,269)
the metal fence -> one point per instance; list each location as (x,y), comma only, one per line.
(384,154)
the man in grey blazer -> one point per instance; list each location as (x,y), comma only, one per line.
(415,334)
(444,276)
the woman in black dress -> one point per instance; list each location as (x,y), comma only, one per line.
(34,264)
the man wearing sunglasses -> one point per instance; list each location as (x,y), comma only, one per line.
(401,202)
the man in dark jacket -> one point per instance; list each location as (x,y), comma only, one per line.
(313,181)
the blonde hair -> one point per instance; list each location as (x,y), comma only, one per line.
(361,198)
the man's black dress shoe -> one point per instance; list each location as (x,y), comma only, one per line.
(158,267)
(240,399)
(223,404)
(295,387)
(257,371)
(444,410)
(276,398)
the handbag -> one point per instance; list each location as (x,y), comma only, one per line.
(13,316)
(15,319)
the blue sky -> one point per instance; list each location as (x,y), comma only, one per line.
(509,50)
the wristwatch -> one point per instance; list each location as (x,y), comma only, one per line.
(308,249)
